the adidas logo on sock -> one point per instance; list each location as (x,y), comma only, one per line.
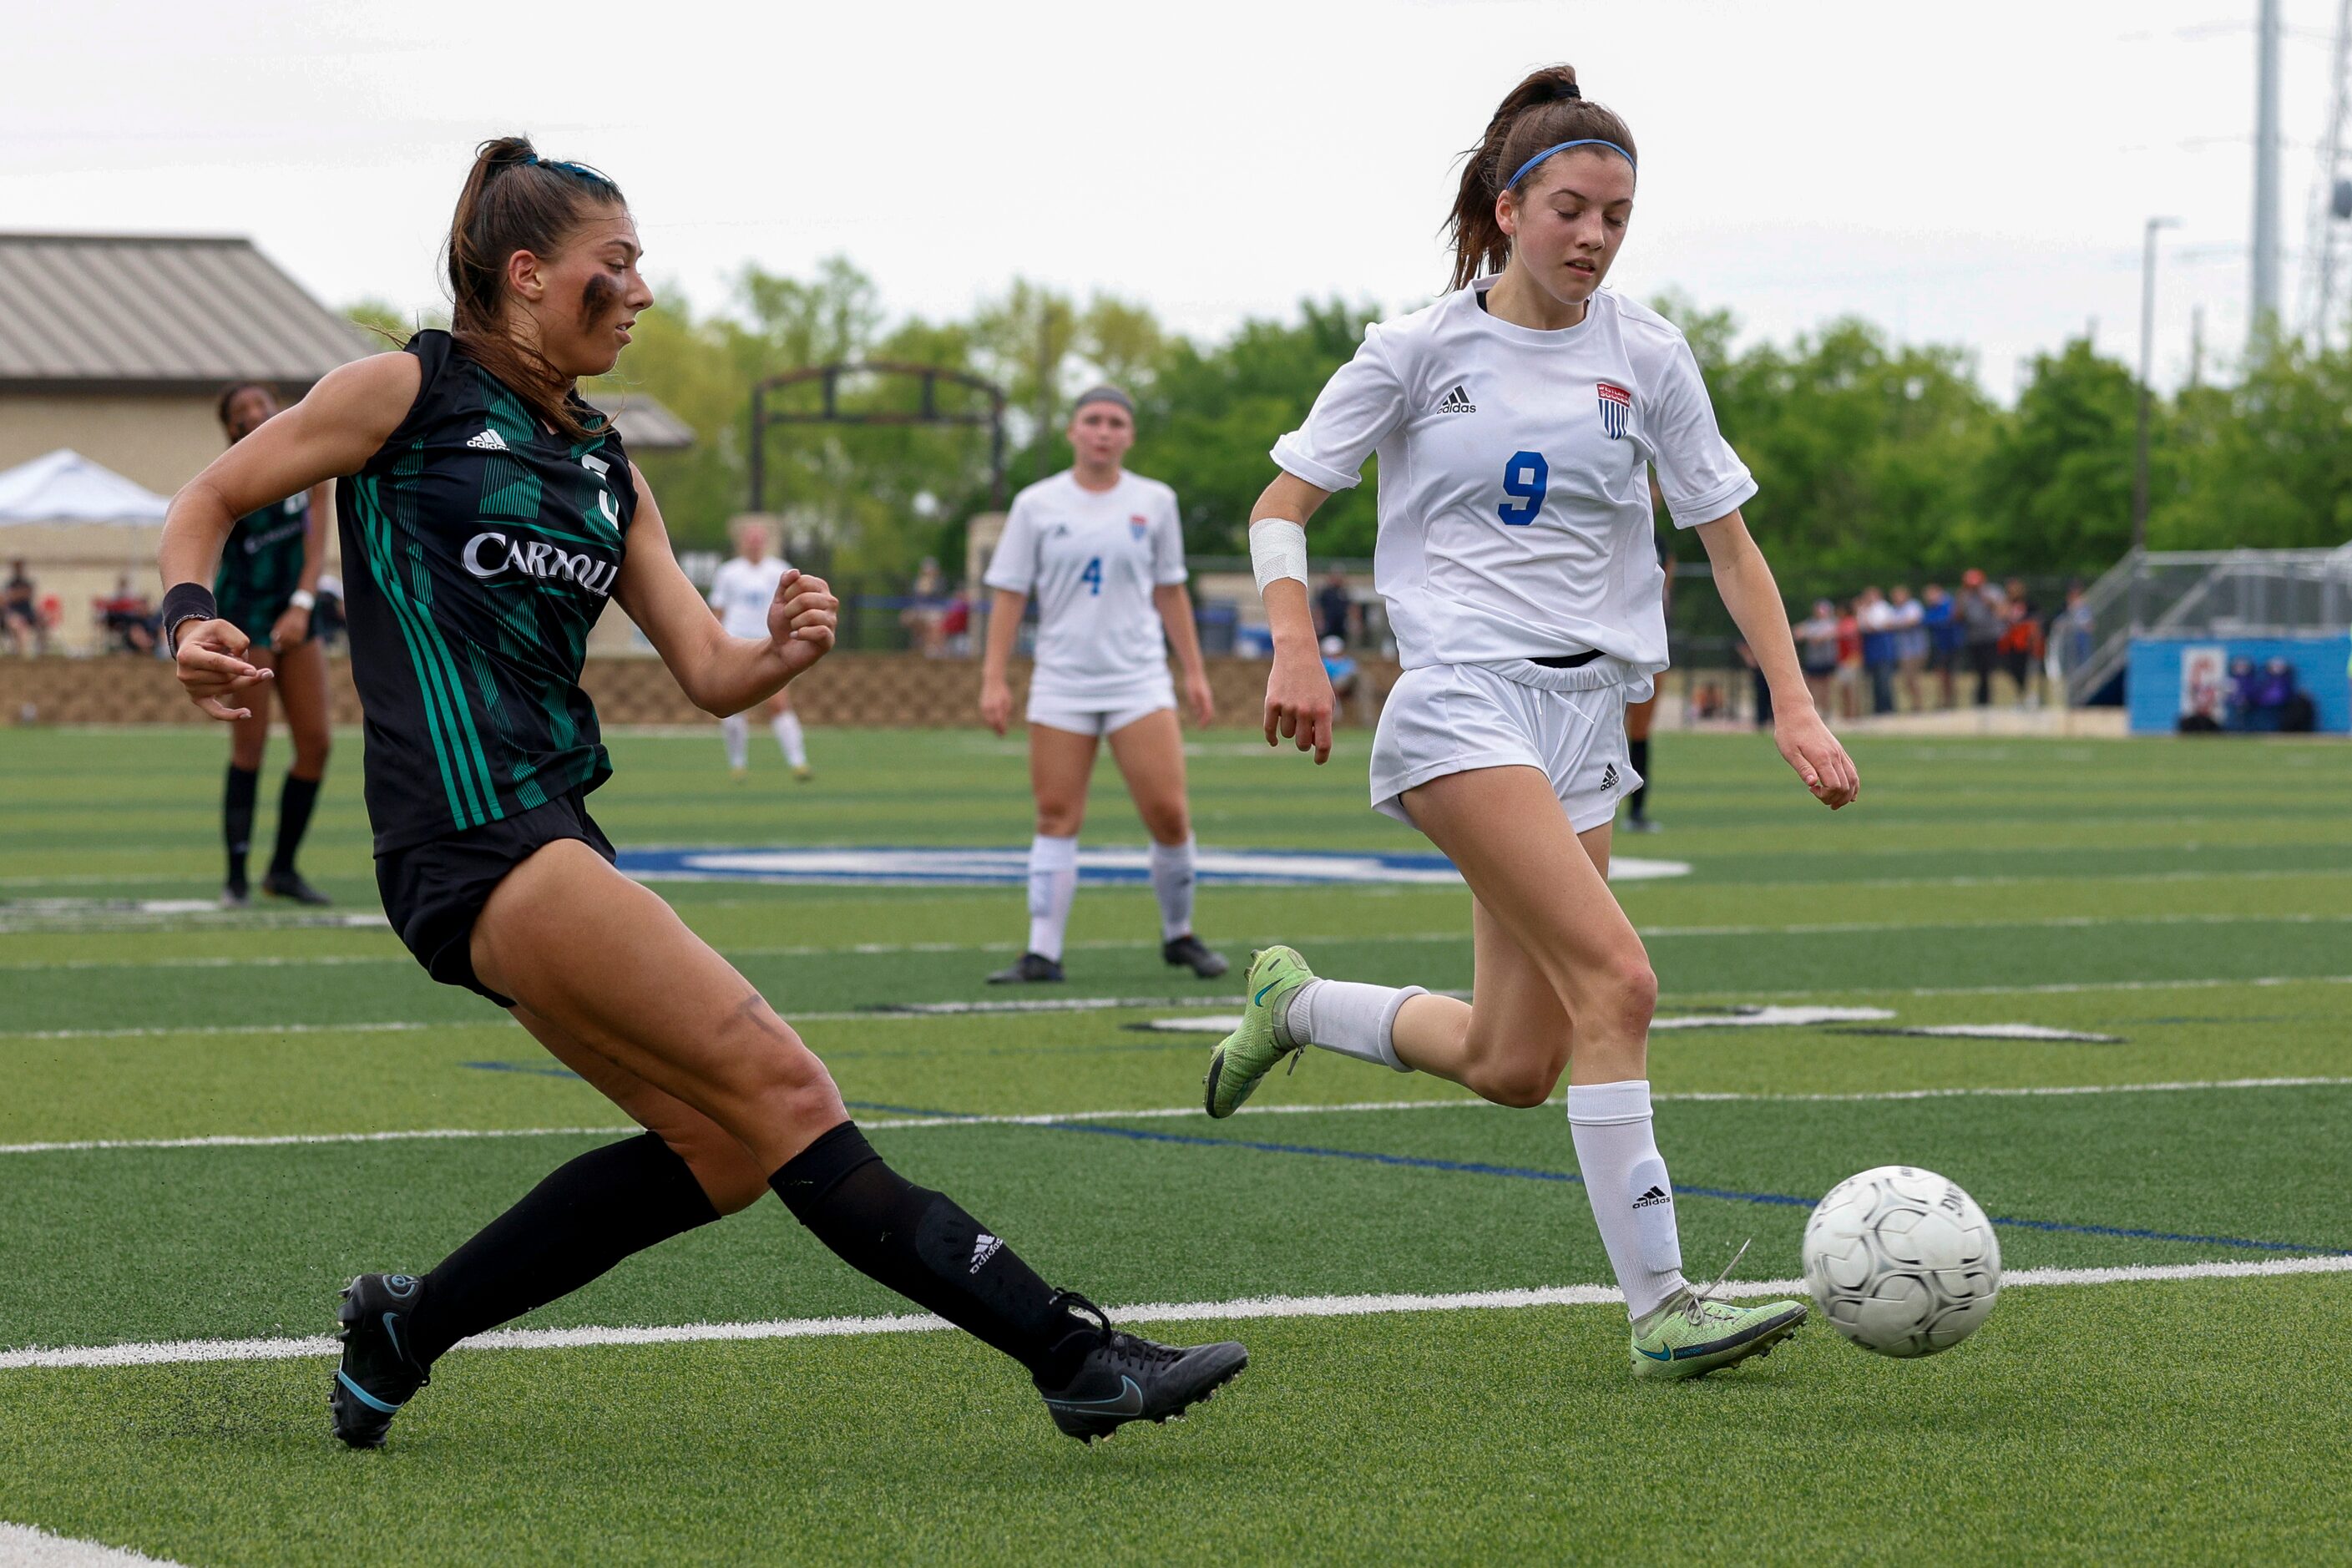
(489,441)
(1652,1198)
(1458,402)
(982,1249)
(1609,776)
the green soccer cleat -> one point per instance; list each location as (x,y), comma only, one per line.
(1249,1053)
(1695,1333)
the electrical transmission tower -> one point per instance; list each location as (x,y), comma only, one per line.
(2327,243)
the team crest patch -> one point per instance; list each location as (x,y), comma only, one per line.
(1616,404)
(1139,526)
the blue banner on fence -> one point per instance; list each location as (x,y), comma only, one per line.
(2241,684)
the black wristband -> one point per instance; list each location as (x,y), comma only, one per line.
(186,601)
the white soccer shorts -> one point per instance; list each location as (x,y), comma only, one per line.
(1446,719)
(1093,716)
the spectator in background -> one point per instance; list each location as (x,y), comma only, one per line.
(1817,651)
(1942,623)
(1763,704)
(1341,671)
(1875,618)
(1910,641)
(2073,633)
(925,614)
(1980,628)
(1335,607)
(20,611)
(2020,643)
(955,627)
(1849,662)
(129,617)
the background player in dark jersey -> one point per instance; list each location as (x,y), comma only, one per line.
(267,587)
(487,515)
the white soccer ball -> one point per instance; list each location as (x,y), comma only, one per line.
(1901,1261)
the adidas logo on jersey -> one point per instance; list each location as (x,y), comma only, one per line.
(1609,776)
(1458,402)
(489,441)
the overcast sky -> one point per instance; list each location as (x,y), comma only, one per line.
(1976,174)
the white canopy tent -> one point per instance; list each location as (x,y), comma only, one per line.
(81,530)
(64,488)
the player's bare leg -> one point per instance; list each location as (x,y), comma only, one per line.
(249,743)
(1061,766)
(303,686)
(1150,756)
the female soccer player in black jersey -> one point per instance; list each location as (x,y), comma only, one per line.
(267,582)
(488,513)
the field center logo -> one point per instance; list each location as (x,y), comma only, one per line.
(1616,403)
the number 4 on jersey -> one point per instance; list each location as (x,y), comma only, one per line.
(1092,575)
(1526,478)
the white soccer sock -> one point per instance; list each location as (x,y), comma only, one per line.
(1352,1019)
(1171,884)
(787,728)
(1053,884)
(1633,1198)
(736,731)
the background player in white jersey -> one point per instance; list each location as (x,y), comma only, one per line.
(741,592)
(1104,552)
(1517,422)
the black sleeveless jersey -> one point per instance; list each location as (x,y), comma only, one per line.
(261,566)
(478,551)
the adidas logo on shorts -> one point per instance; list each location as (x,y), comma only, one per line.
(489,441)
(1458,402)
(1609,776)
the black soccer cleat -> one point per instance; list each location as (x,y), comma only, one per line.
(1125,1379)
(236,896)
(377,1375)
(1033,966)
(1189,952)
(291,885)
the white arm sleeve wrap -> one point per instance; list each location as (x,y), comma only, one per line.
(1277,550)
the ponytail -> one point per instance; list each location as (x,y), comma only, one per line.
(1544,111)
(514,200)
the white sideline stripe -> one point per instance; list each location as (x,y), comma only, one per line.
(887,949)
(182,1352)
(935,1010)
(1170,1112)
(22,1546)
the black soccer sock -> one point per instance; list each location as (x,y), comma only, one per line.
(237,818)
(922,1246)
(586,1217)
(1638,753)
(294,804)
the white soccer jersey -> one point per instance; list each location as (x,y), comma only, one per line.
(1514,490)
(1092,559)
(741,592)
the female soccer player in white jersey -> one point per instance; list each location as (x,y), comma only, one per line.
(1516,422)
(740,593)
(1104,552)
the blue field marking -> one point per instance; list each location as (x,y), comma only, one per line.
(1533,1174)
(887,866)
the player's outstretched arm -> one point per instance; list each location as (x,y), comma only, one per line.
(719,674)
(341,424)
(1299,700)
(1745,580)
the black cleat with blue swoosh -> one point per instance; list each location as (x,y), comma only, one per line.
(1125,1379)
(377,1375)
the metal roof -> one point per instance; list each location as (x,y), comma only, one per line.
(643,424)
(155,312)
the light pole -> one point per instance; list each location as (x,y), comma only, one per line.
(2146,373)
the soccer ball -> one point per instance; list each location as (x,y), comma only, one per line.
(1901,1261)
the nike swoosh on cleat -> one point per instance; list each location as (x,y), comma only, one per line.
(1127,1401)
(1656,1355)
(393,1330)
(1262,990)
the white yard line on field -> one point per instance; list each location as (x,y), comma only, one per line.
(176,1032)
(182,1352)
(886,949)
(1172,1113)
(22,1546)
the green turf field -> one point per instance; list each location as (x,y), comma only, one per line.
(2193,901)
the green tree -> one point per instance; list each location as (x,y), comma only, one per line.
(2265,464)
(2055,485)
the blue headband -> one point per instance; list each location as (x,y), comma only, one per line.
(1562,147)
(578,171)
